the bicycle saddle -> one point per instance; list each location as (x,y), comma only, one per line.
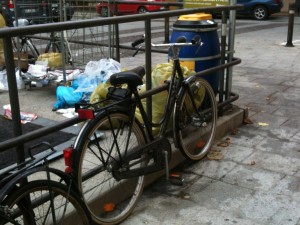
(132,78)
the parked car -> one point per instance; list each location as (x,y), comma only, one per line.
(260,9)
(37,11)
(125,8)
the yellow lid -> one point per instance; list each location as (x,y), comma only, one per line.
(196,17)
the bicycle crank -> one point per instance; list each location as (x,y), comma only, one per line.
(150,158)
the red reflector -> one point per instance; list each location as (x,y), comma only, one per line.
(86,114)
(68,169)
(10,4)
(68,156)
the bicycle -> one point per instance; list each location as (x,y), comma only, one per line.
(25,44)
(43,201)
(114,150)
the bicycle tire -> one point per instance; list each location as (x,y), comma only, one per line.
(69,208)
(194,131)
(105,196)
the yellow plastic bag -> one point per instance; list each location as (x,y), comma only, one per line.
(160,73)
(54,59)
(2,59)
(99,93)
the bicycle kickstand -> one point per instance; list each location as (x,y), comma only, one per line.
(175,179)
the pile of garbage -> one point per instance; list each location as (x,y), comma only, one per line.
(83,84)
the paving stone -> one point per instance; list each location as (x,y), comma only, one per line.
(252,177)
(279,146)
(234,152)
(269,120)
(212,169)
(272,209)
(273,162)
(289,185)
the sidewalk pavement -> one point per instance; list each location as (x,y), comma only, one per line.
(256,180)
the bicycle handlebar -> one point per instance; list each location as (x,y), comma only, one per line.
(180,42)
(138,41)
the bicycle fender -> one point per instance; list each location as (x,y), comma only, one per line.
(10,185)
(180,95)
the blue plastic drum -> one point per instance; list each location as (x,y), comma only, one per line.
(199,58)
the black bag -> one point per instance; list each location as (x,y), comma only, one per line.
(116,93)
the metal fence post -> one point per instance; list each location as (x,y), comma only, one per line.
(231,35)
(223,54)
(289,42)
(13,95)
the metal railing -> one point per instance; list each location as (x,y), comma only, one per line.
(8,33)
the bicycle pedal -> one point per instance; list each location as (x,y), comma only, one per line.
(176,179)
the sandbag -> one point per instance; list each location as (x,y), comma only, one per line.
(54,59)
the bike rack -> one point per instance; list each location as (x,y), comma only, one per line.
(7,33)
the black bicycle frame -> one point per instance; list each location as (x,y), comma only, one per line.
(174,85)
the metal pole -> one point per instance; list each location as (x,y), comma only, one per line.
(167,28)
(13,95)
(223,49)
(289,42)
(63,16)
(117,42)
(232,25)
(148,65)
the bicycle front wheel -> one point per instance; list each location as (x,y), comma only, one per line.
(195,118)
(102,145)
(46,202)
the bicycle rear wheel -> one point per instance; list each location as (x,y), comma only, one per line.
(195,126)
(46,202)
(101,146)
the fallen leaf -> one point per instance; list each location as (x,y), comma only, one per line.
(247,121)
(224,143)
(215,155)
(263,124)
(234,131)
(186,196)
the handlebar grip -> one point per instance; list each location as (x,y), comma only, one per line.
(137,42)
(196,40)
(181,39)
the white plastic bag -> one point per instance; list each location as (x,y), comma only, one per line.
(96,72)
(103,68)
(3,80)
